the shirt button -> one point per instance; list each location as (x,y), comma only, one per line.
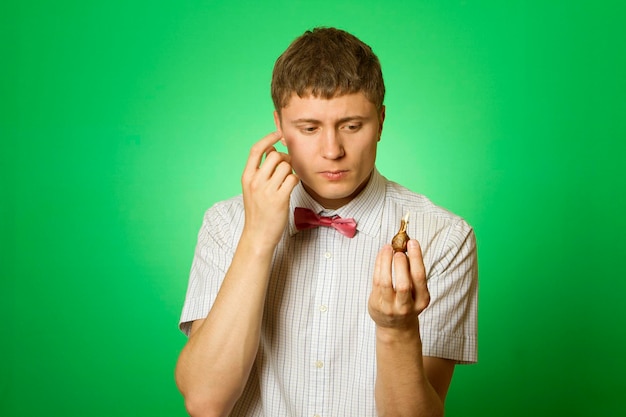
(328,255)
(319,364)
(323,309)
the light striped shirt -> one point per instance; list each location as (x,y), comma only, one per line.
(317,355)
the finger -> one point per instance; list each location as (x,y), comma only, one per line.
(268,151)
(272,161)
(285,156)
(418,274)
(289,183)
(416,262)
(282,169)
(403,284)
(382,277)
(377,268)
(277,178)
(275,157)
(259,149)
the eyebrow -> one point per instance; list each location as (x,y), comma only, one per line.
(342,120)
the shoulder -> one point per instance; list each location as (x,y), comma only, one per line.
(229,207)
(401,198)
(442,234)
(223,222)
(233,203)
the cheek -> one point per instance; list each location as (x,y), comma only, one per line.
(302,155)
(297,148)
(365,148)
(294,151)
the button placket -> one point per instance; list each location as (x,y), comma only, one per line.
(326,276)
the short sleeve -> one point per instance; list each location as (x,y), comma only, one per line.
(217,238)
(449,325)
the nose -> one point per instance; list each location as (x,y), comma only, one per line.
(331,144)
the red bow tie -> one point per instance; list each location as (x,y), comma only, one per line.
(307,219)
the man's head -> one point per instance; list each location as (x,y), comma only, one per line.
(328,91)
(326,63)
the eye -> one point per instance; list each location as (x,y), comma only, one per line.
(307,130)
(352,127)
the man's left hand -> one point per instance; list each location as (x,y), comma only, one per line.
(397,305)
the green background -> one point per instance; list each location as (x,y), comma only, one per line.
(122,121)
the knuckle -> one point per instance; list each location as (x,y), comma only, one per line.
(423,302)
(256,150)
(270,156)
(385,309)
(284,167)
(406,311)
(246,180)
(384,284)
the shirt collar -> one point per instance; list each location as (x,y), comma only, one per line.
(366,208)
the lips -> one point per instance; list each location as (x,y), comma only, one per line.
(334,175)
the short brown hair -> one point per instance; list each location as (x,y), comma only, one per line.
(327,62)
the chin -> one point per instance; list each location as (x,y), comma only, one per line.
(344,194)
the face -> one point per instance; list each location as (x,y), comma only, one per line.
(332,143)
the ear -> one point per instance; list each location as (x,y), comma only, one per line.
(381,120)
(279,128)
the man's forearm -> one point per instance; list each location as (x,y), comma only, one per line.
(214,366)
(402,387)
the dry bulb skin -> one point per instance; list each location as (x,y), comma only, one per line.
(400,240)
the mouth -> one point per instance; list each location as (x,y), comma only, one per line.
(334,175)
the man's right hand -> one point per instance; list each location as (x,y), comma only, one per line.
(267,186)
(215,364)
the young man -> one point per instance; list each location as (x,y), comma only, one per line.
(288,319)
